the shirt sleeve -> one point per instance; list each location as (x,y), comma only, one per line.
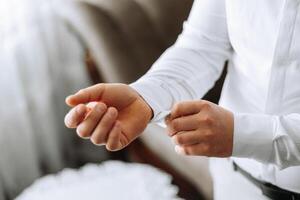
(189,68)
(268,139)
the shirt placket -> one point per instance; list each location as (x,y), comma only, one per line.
(281,57)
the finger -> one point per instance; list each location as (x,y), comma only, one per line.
(188,138)
(100,134)
(75,116)
(188,108)
(86,128)
(185,123)
(113,142)
(184,108)
(93,93)
(170,129)
(201,149)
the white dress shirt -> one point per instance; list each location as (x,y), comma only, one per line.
(261,40)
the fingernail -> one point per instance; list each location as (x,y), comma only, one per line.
(79,133)
(179,150)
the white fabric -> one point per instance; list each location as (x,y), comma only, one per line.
(111,180)
(231,185)
(261,38)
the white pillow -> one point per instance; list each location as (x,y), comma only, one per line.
(112,180)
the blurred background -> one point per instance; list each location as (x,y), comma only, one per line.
(52,48)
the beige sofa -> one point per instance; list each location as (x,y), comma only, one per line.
(125,37)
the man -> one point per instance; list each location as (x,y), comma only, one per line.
(258,124)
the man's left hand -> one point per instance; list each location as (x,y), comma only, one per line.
(201,128)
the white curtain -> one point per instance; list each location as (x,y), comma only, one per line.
(41,61)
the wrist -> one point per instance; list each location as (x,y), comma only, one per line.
(149,110)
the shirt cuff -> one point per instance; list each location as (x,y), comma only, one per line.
(253,136)
(155,96)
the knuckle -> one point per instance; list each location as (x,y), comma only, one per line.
(208,134)
(208,120)
(206,105)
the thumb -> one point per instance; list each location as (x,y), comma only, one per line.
(90,94)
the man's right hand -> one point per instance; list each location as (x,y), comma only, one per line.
(117,116)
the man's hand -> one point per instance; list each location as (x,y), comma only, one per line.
(201,128)
(108,114)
